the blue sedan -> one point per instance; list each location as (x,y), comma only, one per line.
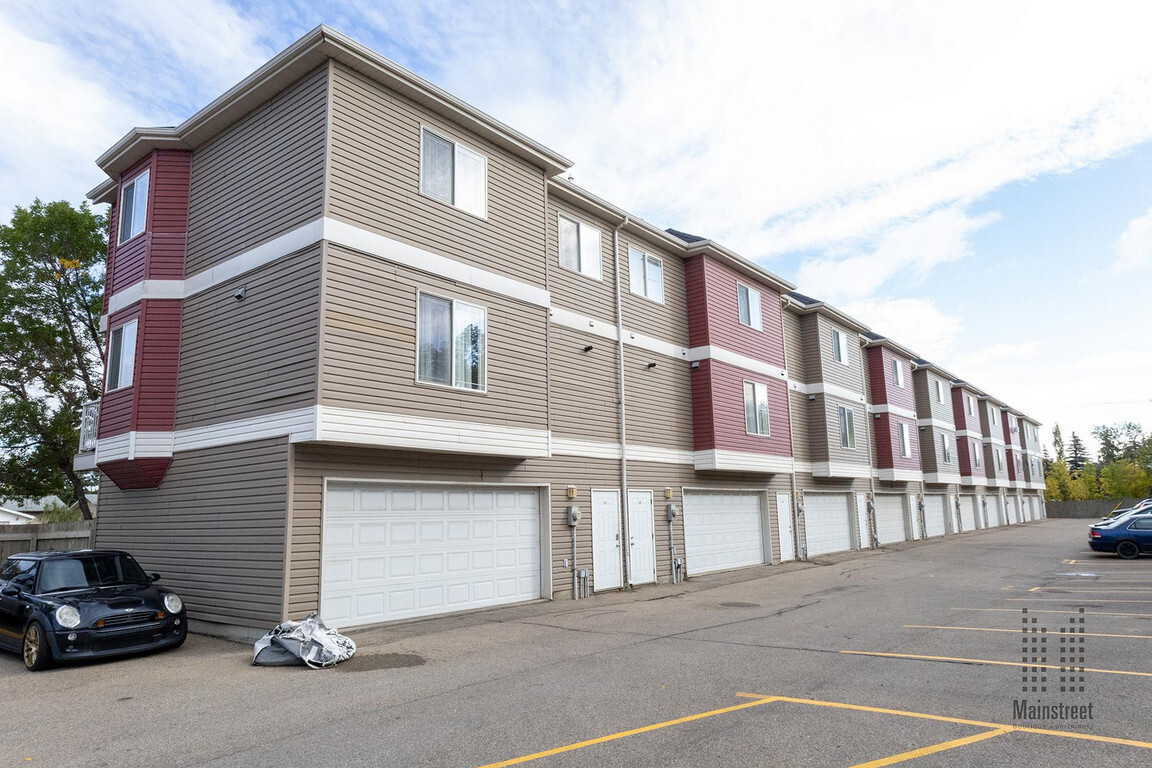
(1127,538)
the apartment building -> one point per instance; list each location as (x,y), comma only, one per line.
(370,354)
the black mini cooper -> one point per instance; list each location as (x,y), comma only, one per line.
(66,606)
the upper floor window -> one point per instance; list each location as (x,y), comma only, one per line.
(646,275)
(579,247)
(756,408)
(453,173)
(452,343)
(905,441)
(847,428)
(945,448)
(749,301)
(121,356)
(939,390)
(898,372)
(999,459)
(971,405)
(992,415)
(133,207)
(840,346)
(976,455)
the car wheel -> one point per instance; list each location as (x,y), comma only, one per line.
(1128,550)
(37,654)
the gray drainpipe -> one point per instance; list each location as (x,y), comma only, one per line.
(868,430)
(801,552)
(627,548)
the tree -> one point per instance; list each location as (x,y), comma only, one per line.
(51,289)
(1058,442)
(1077,454)
(1109,438)
(1058,483)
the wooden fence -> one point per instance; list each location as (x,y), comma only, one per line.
(45,536)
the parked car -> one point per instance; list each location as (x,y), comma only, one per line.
(1140,506)
(1127,537)
(60,607)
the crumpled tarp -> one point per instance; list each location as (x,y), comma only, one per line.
(303,642)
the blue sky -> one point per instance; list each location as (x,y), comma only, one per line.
(972,179)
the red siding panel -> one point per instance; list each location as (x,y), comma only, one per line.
(887,438)
(726,429)
(722,316)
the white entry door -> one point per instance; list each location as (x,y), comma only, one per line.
(992,503)
(863,536)
(606,553)
(399,551)
(935,505)
(890,526)
(642,542)
(968,516)
(784,523)
(722,530)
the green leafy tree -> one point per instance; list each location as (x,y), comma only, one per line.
(1132,440)
(1058,483)
(1109,439)
(1127,479)
(1077,454)
(1058,443)
(51,289)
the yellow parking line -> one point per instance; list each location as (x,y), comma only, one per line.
(1070,600)
(1020,631)
(632,732)
(1062,613)
(959,720)
(1061,590)
(942,747)
(993,662)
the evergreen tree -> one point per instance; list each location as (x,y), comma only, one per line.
(1077,454)
(1058,442)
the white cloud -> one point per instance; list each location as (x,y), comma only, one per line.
(908,251)
(917,324)
(1135,245)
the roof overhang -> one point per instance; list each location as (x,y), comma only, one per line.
(300,58)
(884,341)
(820,308)
(930,366)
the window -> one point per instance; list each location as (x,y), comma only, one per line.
(992,414)
(939,391)
(749,301)
(121,356)
(452,343)
(1141,525)
(905,441)
(453,174)
(971,405)
(756,408)
(976,456)
(133,207)
(945,449)
(839,347)
(999,459)
(847,428)
(579,247)
(898,372)
(646,275)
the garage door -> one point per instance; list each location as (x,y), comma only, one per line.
(890,518)
(968,504)
(993,506)
(1034,507)
(393,552)
(827,522)
(935,505)
(722,530)
(1014,509)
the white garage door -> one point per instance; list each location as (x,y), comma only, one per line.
(394,552)
(968,505)
(992,502)
(1034,507)
(827,522)
(722,530)
(1014,509)
(935,505)
(890,518)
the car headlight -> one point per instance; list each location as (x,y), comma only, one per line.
(67,616)
(173,602)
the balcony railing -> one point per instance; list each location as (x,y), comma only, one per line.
(89,417)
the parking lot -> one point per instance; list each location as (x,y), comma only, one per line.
(910,654)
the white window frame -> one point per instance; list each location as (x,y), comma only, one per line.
(132,184)
(971,405)
(840,346)
(582,228)
(847,427)
(645,259)
(758,389)
(944,450)
(457,148)
(122,369)
(992,414)
(939,390)
(755,320)
(898,372)
(976,451)
(905,440)
(452,357)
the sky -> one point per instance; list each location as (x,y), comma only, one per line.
(972,179)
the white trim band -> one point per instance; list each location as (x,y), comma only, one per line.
(741,461)
(840,469)
(895,410)
(936,424)
(720,354)
(941,477)
(900,475)
(824,388)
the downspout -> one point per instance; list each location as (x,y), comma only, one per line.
(873,540)
(627,548)
(791,438)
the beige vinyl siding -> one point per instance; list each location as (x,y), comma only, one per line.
(926,404)
(931,457)
(831,370)
(659,400)
(824,431)
(256,356)
(572,290)
(667,321)
(262,177)
(794,357)
(801,439)
(813,360)
(374,182)
(369,346)
(214,530)
(585,398)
